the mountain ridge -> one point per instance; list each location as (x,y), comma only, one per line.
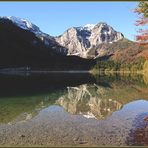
(48,40)
(78,41)
(22,48)
(91,42)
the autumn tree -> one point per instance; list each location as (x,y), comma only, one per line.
(142,11)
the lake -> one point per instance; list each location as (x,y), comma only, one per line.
(73,109)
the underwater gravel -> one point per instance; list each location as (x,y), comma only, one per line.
(55,127)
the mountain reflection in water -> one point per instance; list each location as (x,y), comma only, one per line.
(21,98)
(89,101)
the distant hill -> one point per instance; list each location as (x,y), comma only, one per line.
(124,50)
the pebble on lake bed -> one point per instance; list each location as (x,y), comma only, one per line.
(21,135)
(146,118)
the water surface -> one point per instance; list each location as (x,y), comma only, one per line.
(72,109)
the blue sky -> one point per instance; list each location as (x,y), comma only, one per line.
(55,17)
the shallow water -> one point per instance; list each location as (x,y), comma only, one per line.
(72,110)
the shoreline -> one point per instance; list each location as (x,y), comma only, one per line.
(42,71)
(95,72)
(92,72)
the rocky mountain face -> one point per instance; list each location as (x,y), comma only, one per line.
(81,40)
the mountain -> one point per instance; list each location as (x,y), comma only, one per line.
(101,42)
(81,41)
(24,45)
(48,40)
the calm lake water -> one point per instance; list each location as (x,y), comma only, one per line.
(73,109)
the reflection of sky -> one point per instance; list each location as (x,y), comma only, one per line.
(137,105)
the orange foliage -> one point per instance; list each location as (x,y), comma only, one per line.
(142,21)
(142,10)
(142,37)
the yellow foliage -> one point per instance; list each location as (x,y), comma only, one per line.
(145,70)
(145,67)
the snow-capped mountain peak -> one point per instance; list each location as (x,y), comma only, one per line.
(89,26)
(24,24)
